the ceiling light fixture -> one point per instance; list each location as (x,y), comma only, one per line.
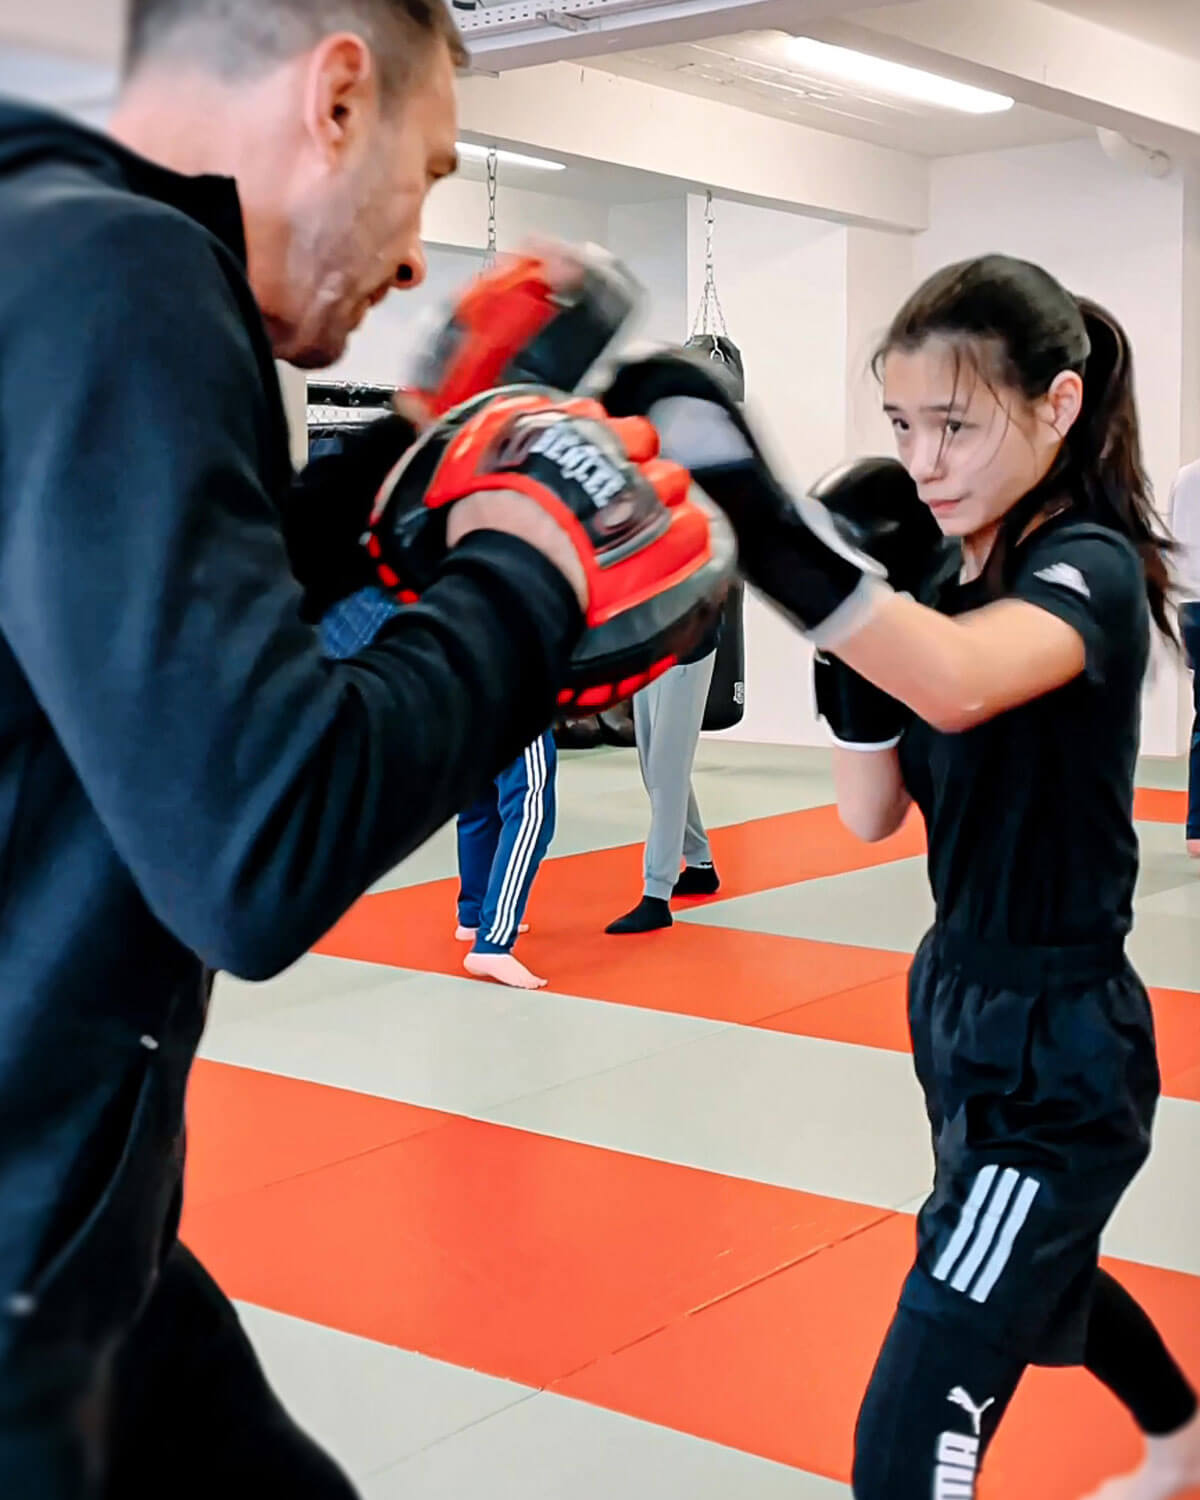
(471,152)
(893,78)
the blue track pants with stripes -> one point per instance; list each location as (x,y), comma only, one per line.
(502,840)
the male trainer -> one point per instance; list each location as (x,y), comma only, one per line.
(186,782)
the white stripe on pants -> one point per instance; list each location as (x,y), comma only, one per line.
(667,717)
(508,912)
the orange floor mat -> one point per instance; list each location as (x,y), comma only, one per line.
(248,1129)
(743,1313)
(780,1369)
(1152,805)
(865,1015)
(835,991)
(522,1255)
(874,1015)
(577,895)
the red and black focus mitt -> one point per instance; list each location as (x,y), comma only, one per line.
(658,557)
(524,322)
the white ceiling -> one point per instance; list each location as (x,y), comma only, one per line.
(753,71)
(749,70)
(92,28)
(1164,23)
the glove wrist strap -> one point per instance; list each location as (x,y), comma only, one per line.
(851,614)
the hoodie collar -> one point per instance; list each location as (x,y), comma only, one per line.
(29,133)
(211,201)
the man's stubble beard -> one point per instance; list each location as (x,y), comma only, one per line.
(326,256)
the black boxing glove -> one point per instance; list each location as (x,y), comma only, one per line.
(789,546)
(657,557)
(328,509)
(875,502)
(857,714)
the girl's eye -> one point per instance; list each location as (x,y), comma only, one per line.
(952,427)
(899,424)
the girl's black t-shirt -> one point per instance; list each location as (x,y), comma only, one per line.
(1030,815)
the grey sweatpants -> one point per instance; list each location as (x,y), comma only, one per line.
(667,717)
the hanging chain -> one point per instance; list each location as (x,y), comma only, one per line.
(710,316)
(493,164)
(709,225)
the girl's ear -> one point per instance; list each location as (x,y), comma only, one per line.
(1063,402)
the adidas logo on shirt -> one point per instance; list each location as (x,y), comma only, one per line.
(1066,576)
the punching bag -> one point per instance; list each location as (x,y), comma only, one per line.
(722,351)
(710,337)
(727,696)
(727,693)
(726,702)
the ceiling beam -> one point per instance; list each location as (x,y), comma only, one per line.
(585,113)
(521,33)
(529,33)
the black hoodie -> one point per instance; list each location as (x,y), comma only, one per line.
(186,783)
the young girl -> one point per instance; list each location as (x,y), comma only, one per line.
(1013,681)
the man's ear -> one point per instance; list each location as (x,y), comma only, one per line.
(341,93)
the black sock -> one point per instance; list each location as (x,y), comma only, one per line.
(648,915)
(698,880)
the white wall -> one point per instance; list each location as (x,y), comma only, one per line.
(1113,236)
(456,212)
(1104,232)
(879,276)
(651,238)
(1190,424)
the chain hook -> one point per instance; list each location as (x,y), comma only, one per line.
(710,316)
(493,164)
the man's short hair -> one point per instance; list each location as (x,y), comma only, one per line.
(241,38)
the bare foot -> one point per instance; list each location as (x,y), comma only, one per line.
(1193,848)
(468,934)
(1171,1468)
(504,969)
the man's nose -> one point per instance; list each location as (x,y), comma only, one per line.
(412,270)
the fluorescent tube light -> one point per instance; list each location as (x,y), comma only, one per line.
(893,78)
(470,152)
